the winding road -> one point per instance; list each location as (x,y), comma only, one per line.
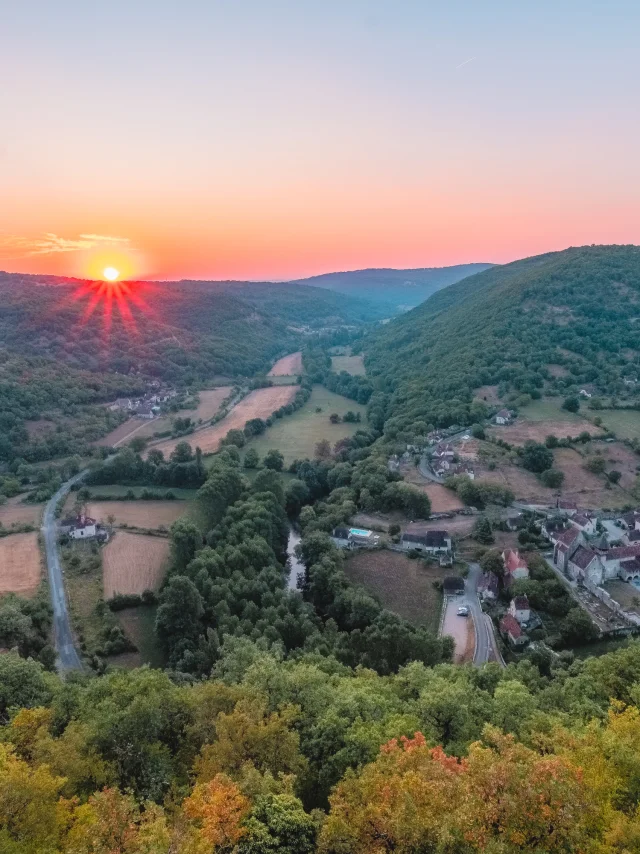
(67,654)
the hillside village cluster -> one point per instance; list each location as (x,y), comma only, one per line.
(148,406)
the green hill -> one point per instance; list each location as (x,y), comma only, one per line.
(395,290)
(578,309)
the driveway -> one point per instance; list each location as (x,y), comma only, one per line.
(67,654)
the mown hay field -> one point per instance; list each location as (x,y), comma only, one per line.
(288,366)
(261,403)
(20,564)
(139,514)
(133,563)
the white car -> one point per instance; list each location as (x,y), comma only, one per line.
(463,611)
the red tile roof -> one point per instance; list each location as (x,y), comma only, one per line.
(513,560)
(622,552)
(510,625)
(568,537)
(583,557)
(521,602)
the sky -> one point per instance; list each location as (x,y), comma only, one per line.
(275,139)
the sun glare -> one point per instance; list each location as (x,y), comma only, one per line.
(110,274)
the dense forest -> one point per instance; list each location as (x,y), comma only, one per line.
(576,309)
(305,754)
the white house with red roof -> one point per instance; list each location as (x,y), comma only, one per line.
(585,522)
(515,566)
(79,527)
(510,627)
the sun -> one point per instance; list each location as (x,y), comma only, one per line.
(110,274)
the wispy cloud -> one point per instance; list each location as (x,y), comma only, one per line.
(466,62)
(16,246)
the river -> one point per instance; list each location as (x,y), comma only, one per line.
(293,564)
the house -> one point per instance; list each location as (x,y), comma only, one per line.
(510,627)
(567,508)
(515,566)
(453,585)
(585,563)
(79,527)
(617,562)
(630,569)
(503,417)
(552,528)
(423,540)
(629,521)
(145,410)
(488,587)
(585,522)
(566,544)
(124,403)
(519,608)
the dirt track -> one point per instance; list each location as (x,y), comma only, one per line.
(261,403)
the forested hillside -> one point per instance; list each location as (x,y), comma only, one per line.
(578,309)
(394,290)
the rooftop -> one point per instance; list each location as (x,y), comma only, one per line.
(509,624)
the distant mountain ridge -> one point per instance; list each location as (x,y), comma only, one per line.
(398,289)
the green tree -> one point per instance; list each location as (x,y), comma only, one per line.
(251,459)
(186,539)
(274,460)
(536,457)
(481,531)
(552,478)
(279,824)
(182,453)
(571,404)
(235,437)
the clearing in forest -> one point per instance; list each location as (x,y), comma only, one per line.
(261,403)
(133,563)
(297,435)
(288,366)
(353,365)
(138,514)
(20,564)
(403,585)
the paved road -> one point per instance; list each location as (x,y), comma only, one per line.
(67,654)
(485,637)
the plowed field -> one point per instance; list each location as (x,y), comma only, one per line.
(133,563)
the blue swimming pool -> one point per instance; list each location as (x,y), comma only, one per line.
(358,532)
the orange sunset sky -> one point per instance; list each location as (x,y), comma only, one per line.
(282,139)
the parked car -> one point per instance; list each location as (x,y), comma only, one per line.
(463,611)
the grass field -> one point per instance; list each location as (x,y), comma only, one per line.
(133,563)
(353,365)
(139,626)
(261,403)
(543,418)
(139,514)
(288,366)
(402,585)
(20,564)
(296,435)
(624,423)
